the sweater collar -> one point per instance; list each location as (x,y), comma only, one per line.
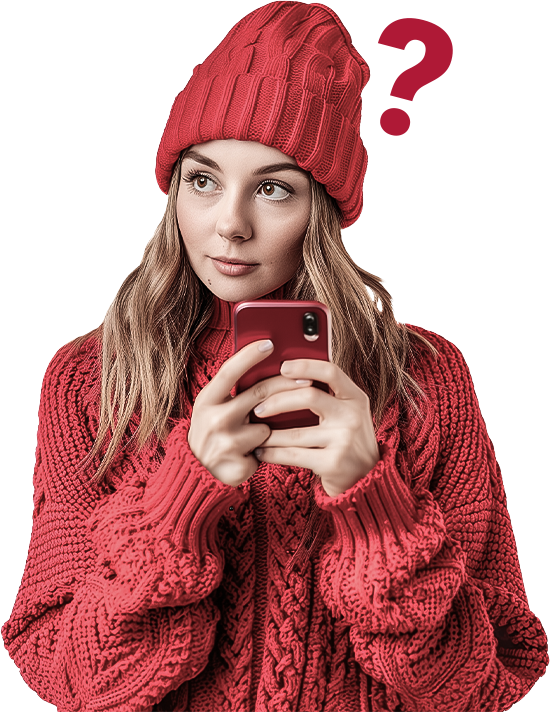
(221,316)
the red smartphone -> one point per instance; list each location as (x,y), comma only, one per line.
(298,330)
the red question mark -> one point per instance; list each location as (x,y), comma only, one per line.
(436,61)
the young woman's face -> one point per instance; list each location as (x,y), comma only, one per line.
(243,202)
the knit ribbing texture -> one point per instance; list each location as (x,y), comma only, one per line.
(165,589)
(288,76)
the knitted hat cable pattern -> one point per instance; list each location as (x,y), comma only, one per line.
(288,76)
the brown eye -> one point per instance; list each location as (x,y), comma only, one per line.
(269,189)
(204,184)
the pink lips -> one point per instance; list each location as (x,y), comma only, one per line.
(233,270)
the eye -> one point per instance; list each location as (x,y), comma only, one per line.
(273,186)
(201,181)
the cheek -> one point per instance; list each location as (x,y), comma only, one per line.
(292,257)
(189,222)
(186,202)
(292,248)
(285,253)
(293,238)
(180,213)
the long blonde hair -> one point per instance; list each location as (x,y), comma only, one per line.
(150,330)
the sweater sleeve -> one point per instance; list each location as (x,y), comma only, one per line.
(114,609)
(428,578)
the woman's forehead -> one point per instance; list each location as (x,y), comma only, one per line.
(232,147)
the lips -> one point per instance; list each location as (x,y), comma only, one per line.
(233,261)
(233,269)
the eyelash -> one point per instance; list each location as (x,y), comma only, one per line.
(191,176)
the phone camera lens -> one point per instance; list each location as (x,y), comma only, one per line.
(310,324)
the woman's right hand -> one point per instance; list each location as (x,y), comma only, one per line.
(220,434)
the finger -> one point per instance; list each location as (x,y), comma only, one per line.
(268,387)
(325,371)
(316,400)
(250,437)
(239,408)
(293,457)
(219,388)
(314,436)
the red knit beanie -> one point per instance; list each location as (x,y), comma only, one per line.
(287,76)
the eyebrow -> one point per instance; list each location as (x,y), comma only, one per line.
(272,168)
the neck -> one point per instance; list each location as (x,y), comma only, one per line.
(222,314)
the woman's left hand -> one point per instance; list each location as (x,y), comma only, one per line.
(343,447)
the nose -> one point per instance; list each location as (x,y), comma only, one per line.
(233,219)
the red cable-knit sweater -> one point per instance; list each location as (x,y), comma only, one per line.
(168,590)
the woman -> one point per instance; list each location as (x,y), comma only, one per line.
(208,563)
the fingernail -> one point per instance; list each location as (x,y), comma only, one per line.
(265,345)
(259,408)
(258,452)
(303,380)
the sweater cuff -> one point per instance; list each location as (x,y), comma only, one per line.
(381,520)
(157,536)
(184,501)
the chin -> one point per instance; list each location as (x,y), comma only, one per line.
(233,295)
(242,293)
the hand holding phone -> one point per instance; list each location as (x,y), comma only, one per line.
(298,329)
(220,435)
